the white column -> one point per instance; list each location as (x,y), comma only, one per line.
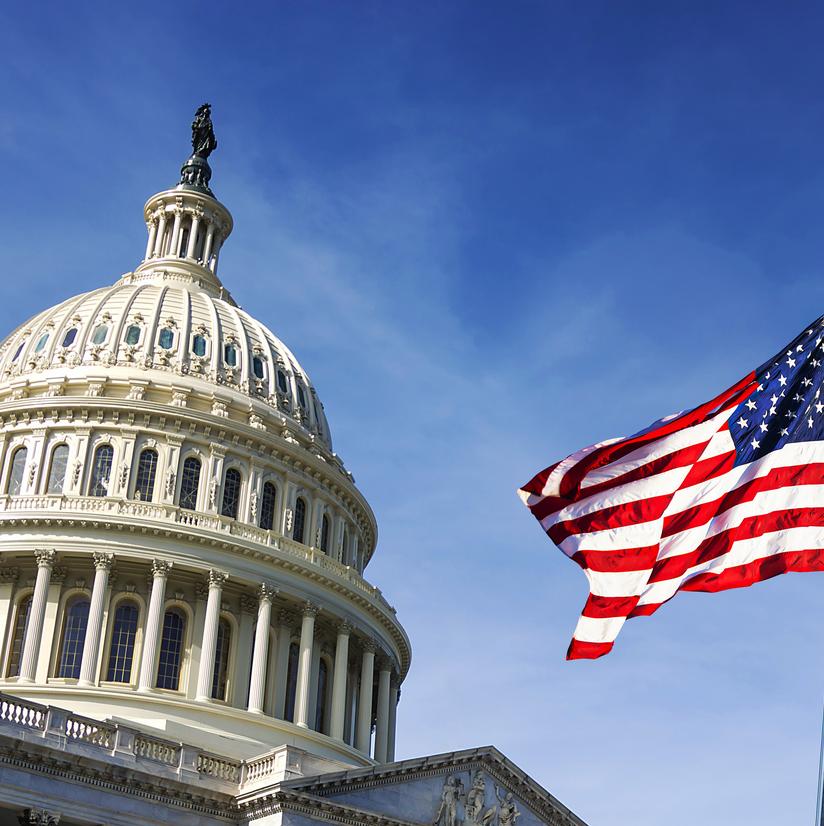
(190,252)
(285,620)
(307,641)
(152,227)
(339,681)
(382,727)
(207,246)
(34,629)
(175,233)
(364,725)
(257,686)
(394,697)
(154,622)
(161,232)
(91,645)
(207,649)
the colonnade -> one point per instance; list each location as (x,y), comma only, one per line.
(349,712)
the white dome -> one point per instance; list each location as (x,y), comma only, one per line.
(163,324)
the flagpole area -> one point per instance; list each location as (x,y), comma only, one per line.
(819,814)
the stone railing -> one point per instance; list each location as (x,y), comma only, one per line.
(61,728)
(113,507)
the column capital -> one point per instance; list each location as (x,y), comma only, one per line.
(345,627)
(37,817)
(45,559)
(310,609)
(369,645)
(267,593)
(161,568)
(102,561)
(217,578)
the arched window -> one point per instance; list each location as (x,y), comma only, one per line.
(231,493)
(320,705)
(267,506)
(21,623)
(70,336)
(57,470)
(166,338)
(146,469)
(100,333)
(121,649)
(189,483)
(291,682)
(283,385)
(221,668)
(199,345)
(101,470)
(132,335)
(324,534)
(300,520)
(171,650)
(344,547)
(257,367)
(230,354)
(41,342)
(18,468)
(74,635)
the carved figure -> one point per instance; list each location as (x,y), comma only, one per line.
(508,812)
(452,792)
(475,799)
(203,134)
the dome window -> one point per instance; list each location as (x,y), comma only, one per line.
(166,339)
(231,493)
(199,345)
(18,351)
(74,636)
(301,396)
(41,342)
(283,386)
(101,470)
(146,469)
(57,471)
(18,466)
(100,333)
(230,355)
(267,507)
(171,650)
(70,336)
(257,367)
(300,520)
(189,483)
(121,649)
(221,665)
(21,622)
(132,335)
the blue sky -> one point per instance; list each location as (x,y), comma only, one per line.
(492,233)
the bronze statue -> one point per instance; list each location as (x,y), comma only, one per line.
(203,135)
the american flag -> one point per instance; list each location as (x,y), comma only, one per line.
(720,496)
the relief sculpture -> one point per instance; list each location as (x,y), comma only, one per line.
(470,809)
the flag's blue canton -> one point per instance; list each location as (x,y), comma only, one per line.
(788,403)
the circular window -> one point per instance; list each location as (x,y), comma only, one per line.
(70,336)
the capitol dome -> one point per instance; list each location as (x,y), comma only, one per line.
(181,551)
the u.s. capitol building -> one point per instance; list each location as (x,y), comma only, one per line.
(187,632)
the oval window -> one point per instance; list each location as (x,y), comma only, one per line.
(230,355)
(199,345)
(132,335)
(282,385)
(301,396)
(70,336)
(18,351)
(257,367)
(41,342)
(100,333)
(166,338)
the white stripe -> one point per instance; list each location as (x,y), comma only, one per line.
(598,630)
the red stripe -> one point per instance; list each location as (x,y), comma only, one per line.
(706,469)
(579,650)
(617,516)
(607,607)
(678,458)
(626,559)
(750,528)
(536,484)
(780,477)
(570,484)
